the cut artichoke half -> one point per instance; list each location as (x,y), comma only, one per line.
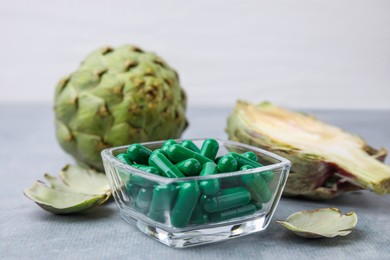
(79,189)
(326,222)
(326,160)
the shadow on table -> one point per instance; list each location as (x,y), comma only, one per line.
(293,240)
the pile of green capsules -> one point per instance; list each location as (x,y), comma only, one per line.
(194,201)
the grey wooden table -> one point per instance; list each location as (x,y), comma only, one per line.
(28,149)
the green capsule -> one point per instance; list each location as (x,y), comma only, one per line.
(132,190)
(143,200)
(227,164)
(267,175)
(209,187)
(226,199)
(165,166)
(246,167)
(241,160)
(217,159)
(258,205)
(162,151)
(186,201)
(179,153)
(251,155)
(199,216)
(233,181)
(190,145)
(230,182)
(233,213)
(140,180)
(209,149)
(138,153)
(124,158)
(189,167)
(258,187)
(163,198)
(167,143)
(146,168)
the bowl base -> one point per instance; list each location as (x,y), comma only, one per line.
(199,236)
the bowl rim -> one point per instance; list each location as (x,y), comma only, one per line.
(107,156)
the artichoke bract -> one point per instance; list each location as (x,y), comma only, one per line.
(79,189)
(326,161)
(116,97)
(318,223)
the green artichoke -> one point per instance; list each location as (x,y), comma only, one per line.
(116,97)
(326,161)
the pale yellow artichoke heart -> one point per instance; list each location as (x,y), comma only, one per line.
(325,159)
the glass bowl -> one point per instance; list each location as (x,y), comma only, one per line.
(176,213)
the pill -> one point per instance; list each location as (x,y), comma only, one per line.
(146,168)
(226,199)
(267,175)
(245,167)
(179,153)
(258,187)
(186,201)
(241,160)
(209,187)
(138,153)
(132,189)
(124,158)
(140,180)
(164,165)
(167,143)
(189,167)
(162,200)
(227,164)
(190,145)
(234,181)
(199,216)
(209,148)
(230,182)
(162,151)
(143,200)
(217,159)
(233,213)
(251,155)
(258,205)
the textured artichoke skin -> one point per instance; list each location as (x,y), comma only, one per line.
(116,97)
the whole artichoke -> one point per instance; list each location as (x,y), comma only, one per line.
(326,161)
(116,97)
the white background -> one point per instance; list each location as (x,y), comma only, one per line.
(302,53)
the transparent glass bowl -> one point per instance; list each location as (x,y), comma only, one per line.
(176,213)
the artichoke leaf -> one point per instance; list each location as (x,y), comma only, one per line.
(326,222)
(79,189)
(320,153)
(87,181)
